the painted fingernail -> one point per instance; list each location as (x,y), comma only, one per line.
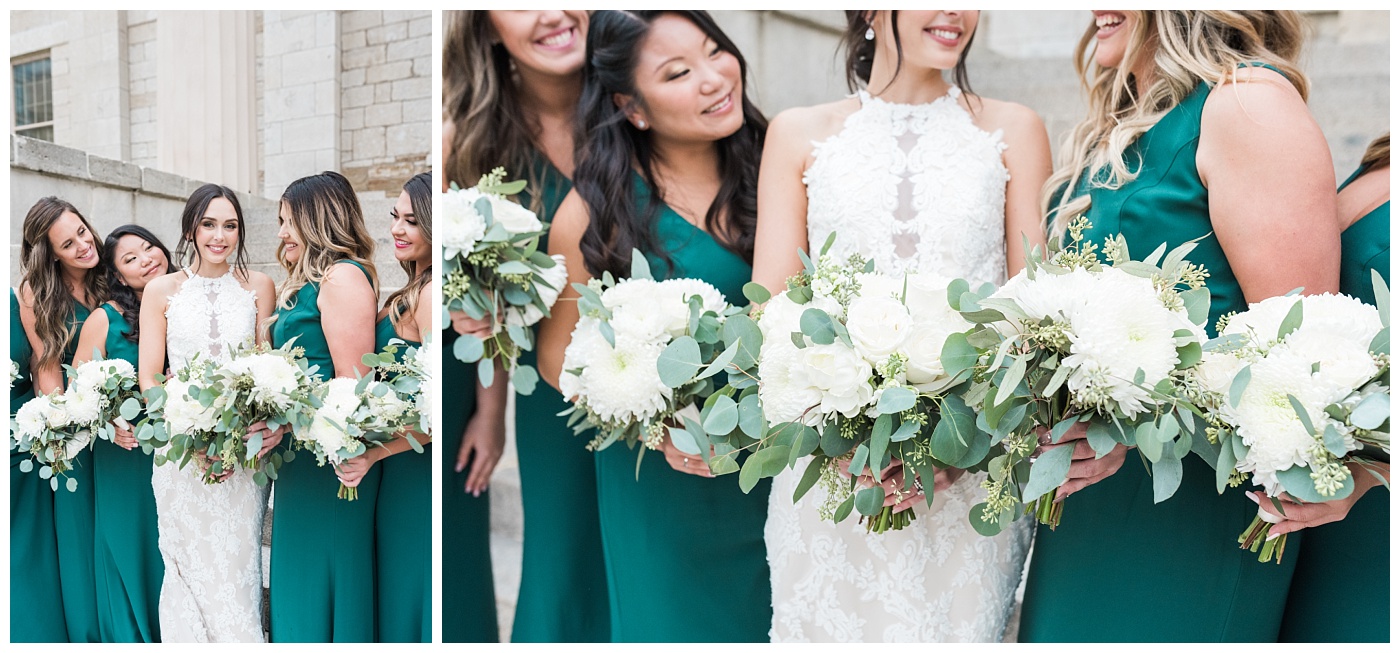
(1272,536)
(1251,497)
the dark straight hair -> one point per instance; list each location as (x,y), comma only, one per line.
(607,146)
(122,295)
(860,53)
(194,212)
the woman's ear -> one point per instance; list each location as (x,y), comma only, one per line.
(634,113)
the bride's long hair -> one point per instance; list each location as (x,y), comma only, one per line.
(1186,48)
(403,304)
(43,276)
(608,146)
(327,217)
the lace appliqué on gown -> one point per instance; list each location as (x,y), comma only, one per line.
(210,535)
(916,187)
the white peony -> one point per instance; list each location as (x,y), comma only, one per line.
(184,413)
(555,279)
(934,321)
(275,379)
(841,375)
(878,325)
(459,226)
(785,392)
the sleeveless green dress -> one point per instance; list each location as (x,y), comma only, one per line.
(1176,564)
(685,555)
(36,601)
(74,520)
(563,588)
(1321,606)
(468,586)
(403,532)
(128,563)
(322,576)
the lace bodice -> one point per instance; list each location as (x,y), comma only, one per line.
(916,186)
(209,316)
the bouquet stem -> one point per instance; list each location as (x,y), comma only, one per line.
(888,520)
(1255,538)
(348,493)
(1047,510)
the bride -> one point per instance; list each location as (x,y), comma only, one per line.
(210,536)
(920,176)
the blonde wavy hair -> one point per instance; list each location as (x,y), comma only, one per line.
(403,304)
(1377,155)
(1187,48)
(327,217)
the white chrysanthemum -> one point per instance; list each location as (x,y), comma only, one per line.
(1345,318)
(619,384)
(183,412)
(1049,295)
(878,325)
(458,224)
(514,217)
(841,375)
(32,418)
(1344,364)
(275,378)
(1120,327)
(555,279)
(1266,421)
(711,299)
(327,431)
(84,404)
(641,311)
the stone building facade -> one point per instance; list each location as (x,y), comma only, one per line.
(249,99)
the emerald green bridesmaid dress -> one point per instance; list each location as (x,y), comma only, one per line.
(685,555)
(468,587)
(74,520)
(1341,589)
(1120,568)
(36,601)
(323,576)
(128,565)
(563,587)
(403,533)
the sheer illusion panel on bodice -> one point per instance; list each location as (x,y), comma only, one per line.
(210,536)
(210,317)
(916,188)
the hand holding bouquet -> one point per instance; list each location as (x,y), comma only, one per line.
(353,415)
(44,428)
(493,269)
(1298,390)
(411,378)
(103,395)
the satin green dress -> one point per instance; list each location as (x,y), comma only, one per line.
(1120,568)
(685,555)
(128,564)
(468,586)
(1341,588)
(36,601)
(403,533)
(323,574)
(74,521)
(563,587)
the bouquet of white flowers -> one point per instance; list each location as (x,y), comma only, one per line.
(642,353)
(1070,340)
(14,373)
(849,372)
(1297,389)
(44,428)
(103,394)
(411,378)
(492,267)
(354,414)
(183,412)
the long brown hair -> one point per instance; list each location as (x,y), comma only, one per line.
(403,304)
(860,52)
(1377,155)
(1187,48)
(480,98)
(43,275)
(327,217)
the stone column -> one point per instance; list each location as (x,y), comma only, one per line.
(301,96)
(205,126)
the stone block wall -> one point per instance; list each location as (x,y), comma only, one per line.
(386,97)
(141,57)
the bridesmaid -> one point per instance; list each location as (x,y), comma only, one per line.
(62,283)
(128,562)
(513,82)
(322,577)
(671,168)
(34,616)
(1198,127)
(1320,607)
(403,526)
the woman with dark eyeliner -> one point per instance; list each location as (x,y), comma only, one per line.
(667,164)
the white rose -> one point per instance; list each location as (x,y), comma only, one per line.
(1217,371)
(841,375)
(514,217)
(878,325)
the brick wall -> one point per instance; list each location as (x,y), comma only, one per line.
(386,97)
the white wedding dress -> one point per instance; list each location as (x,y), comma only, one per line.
(915,187)
(210,536)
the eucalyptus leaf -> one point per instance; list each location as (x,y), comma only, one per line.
(468,349)
(1048,472)
(719,363)
(1302,414)
(1238,385)
(895,400)
(870,501)
(810,476)
(679,362)
(1292,320)
(1297,481)
(1148,442)
(1382,291)
(1372,412)
(817,325)
(1166,478)
(844,510)
(1197,303)
(755,292)
(1013,377)
(640,268)
(525,378)
(486,372)
(880,440)
(722,416)
(833,444)
(957,354)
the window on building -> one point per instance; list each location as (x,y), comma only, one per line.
(33,80)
